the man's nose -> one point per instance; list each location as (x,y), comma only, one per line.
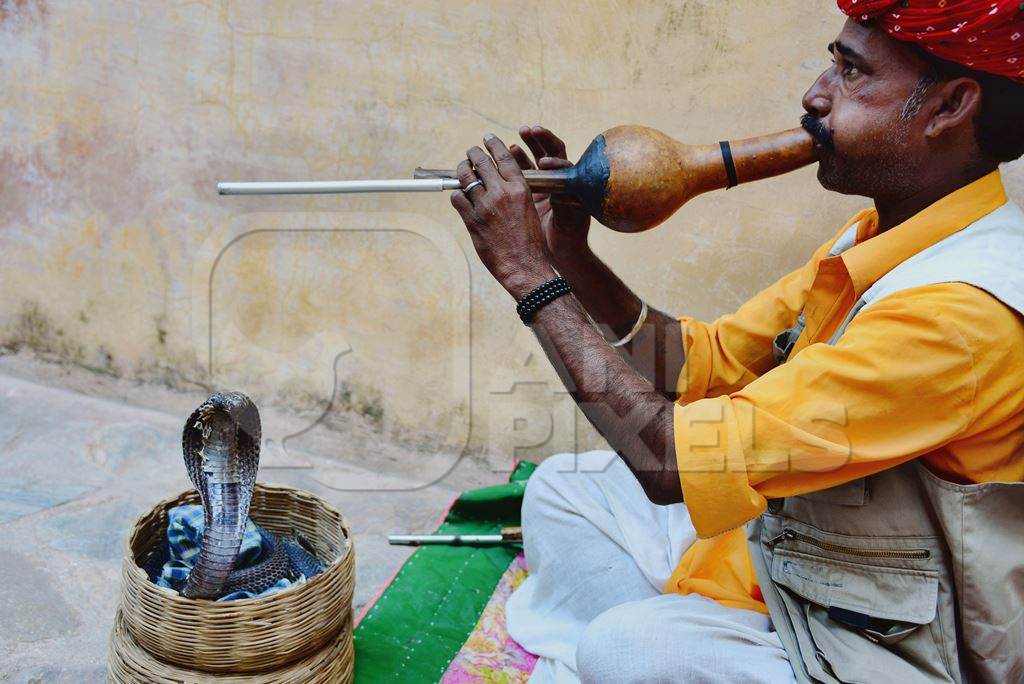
(817,101)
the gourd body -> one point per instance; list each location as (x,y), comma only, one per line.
(632,178)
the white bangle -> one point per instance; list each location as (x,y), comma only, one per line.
(636,327)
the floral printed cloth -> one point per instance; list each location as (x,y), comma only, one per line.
(490,654)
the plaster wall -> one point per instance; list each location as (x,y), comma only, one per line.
(118,118)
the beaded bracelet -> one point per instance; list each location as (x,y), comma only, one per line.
(541,295)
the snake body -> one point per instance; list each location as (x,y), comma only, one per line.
(221,445)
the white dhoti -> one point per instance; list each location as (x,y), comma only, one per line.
(593,607)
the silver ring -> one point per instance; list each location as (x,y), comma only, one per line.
(472,185)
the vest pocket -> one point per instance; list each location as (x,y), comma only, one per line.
(985,529)
(858,595)
(864,609)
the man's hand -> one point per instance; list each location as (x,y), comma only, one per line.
(564,221)
(620,402)
(501,218)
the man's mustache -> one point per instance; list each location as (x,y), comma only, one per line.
(819,131)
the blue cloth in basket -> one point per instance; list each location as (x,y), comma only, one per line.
(184,535)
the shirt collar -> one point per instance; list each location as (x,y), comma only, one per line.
(874,255)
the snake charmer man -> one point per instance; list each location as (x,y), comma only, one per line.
(828,484)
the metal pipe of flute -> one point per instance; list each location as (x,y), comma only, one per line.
(509,535)
(448,539)
(338,187)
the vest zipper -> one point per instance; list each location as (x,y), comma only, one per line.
(790,534)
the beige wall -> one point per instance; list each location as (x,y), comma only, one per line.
(119,118)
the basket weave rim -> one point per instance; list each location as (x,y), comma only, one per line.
(170,594)
(125,653)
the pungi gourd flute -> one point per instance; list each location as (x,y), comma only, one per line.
(630,178)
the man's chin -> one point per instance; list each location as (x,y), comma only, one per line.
(830,177)
(825,176)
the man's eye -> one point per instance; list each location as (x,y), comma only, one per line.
(848,70)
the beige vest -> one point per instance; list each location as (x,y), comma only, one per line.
(901,576)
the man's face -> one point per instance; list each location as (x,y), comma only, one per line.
(861,112)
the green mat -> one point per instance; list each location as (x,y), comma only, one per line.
(418,624)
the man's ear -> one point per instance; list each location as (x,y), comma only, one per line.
(959,101)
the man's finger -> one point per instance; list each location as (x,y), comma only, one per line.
(464,207)
(553,163)
(507,164)
(549,142)
(526,133)
(521,157)
(466,175)
(485,168)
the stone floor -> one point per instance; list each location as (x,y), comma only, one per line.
(76,470)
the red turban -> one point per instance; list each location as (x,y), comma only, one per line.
(984,35)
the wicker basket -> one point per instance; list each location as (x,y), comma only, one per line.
(246,635)
(129,663)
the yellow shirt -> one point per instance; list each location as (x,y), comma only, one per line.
(931,372)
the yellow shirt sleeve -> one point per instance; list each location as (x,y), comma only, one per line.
(899,383)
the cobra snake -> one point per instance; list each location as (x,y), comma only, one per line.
(221,445)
